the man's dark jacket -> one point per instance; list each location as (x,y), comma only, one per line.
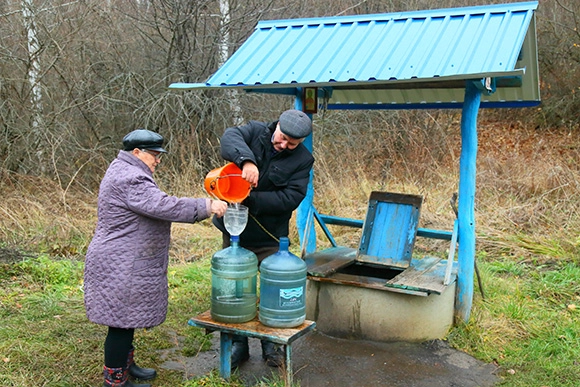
(282,184)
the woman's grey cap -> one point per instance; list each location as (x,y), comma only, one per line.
(295,124)
(143,139)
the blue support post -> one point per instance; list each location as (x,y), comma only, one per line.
(466,205)
(304,222)
(225,355)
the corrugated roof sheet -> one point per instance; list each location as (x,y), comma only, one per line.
(394,59)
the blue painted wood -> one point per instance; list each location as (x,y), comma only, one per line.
(324,228)
(329,219)
(253,328)
(225,355)
(390,229)
(466,216)
(435,105)
(289,367)
(389,240)
(357,223)
(305,208)
(434,234)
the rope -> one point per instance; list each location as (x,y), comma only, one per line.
(264,229)
(212,187)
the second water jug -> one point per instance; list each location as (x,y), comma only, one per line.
(282,289)
(233,284)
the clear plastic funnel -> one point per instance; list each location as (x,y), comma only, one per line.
(236,218)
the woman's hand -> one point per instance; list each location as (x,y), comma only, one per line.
(218,207)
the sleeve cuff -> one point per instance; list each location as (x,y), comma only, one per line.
(208,207)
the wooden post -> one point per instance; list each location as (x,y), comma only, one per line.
(304,209)
(225,355)
(466,216)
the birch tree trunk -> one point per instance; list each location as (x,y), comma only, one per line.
(34,80)
(224,54)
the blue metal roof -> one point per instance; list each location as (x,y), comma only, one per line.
(394,60)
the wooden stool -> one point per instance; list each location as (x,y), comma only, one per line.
(253,328)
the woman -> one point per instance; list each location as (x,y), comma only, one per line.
(125,280)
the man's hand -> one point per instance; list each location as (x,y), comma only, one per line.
(250,173)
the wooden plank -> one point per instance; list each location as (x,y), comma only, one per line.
(366,282)
(422,277)
(329,261)
(253,328)
(425,274)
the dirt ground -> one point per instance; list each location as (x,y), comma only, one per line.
(320,360)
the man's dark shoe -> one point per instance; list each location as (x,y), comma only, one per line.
(240,351)
(273,354)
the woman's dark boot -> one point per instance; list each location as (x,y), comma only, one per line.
(137,372)
(240,350)
(119,377)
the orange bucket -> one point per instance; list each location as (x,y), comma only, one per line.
(226,183)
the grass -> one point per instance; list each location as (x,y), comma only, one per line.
(528,254)
(46,340)
(527,324)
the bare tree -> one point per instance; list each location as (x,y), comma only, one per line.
(559,57)
(75,76)
(34,50)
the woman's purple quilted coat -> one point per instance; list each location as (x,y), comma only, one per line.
(125,281)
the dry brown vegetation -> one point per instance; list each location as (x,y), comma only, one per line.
(526,202)
(527,181)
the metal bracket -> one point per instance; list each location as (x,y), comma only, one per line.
(486,85)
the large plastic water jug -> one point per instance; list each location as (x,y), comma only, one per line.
(234,273)
(282,289)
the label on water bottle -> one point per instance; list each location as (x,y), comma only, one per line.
(292,297)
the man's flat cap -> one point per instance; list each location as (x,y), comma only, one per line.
(295,124)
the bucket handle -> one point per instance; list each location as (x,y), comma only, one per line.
(213,182)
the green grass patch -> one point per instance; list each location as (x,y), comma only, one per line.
(527,324)
(46,339)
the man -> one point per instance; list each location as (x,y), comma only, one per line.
(277,165)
